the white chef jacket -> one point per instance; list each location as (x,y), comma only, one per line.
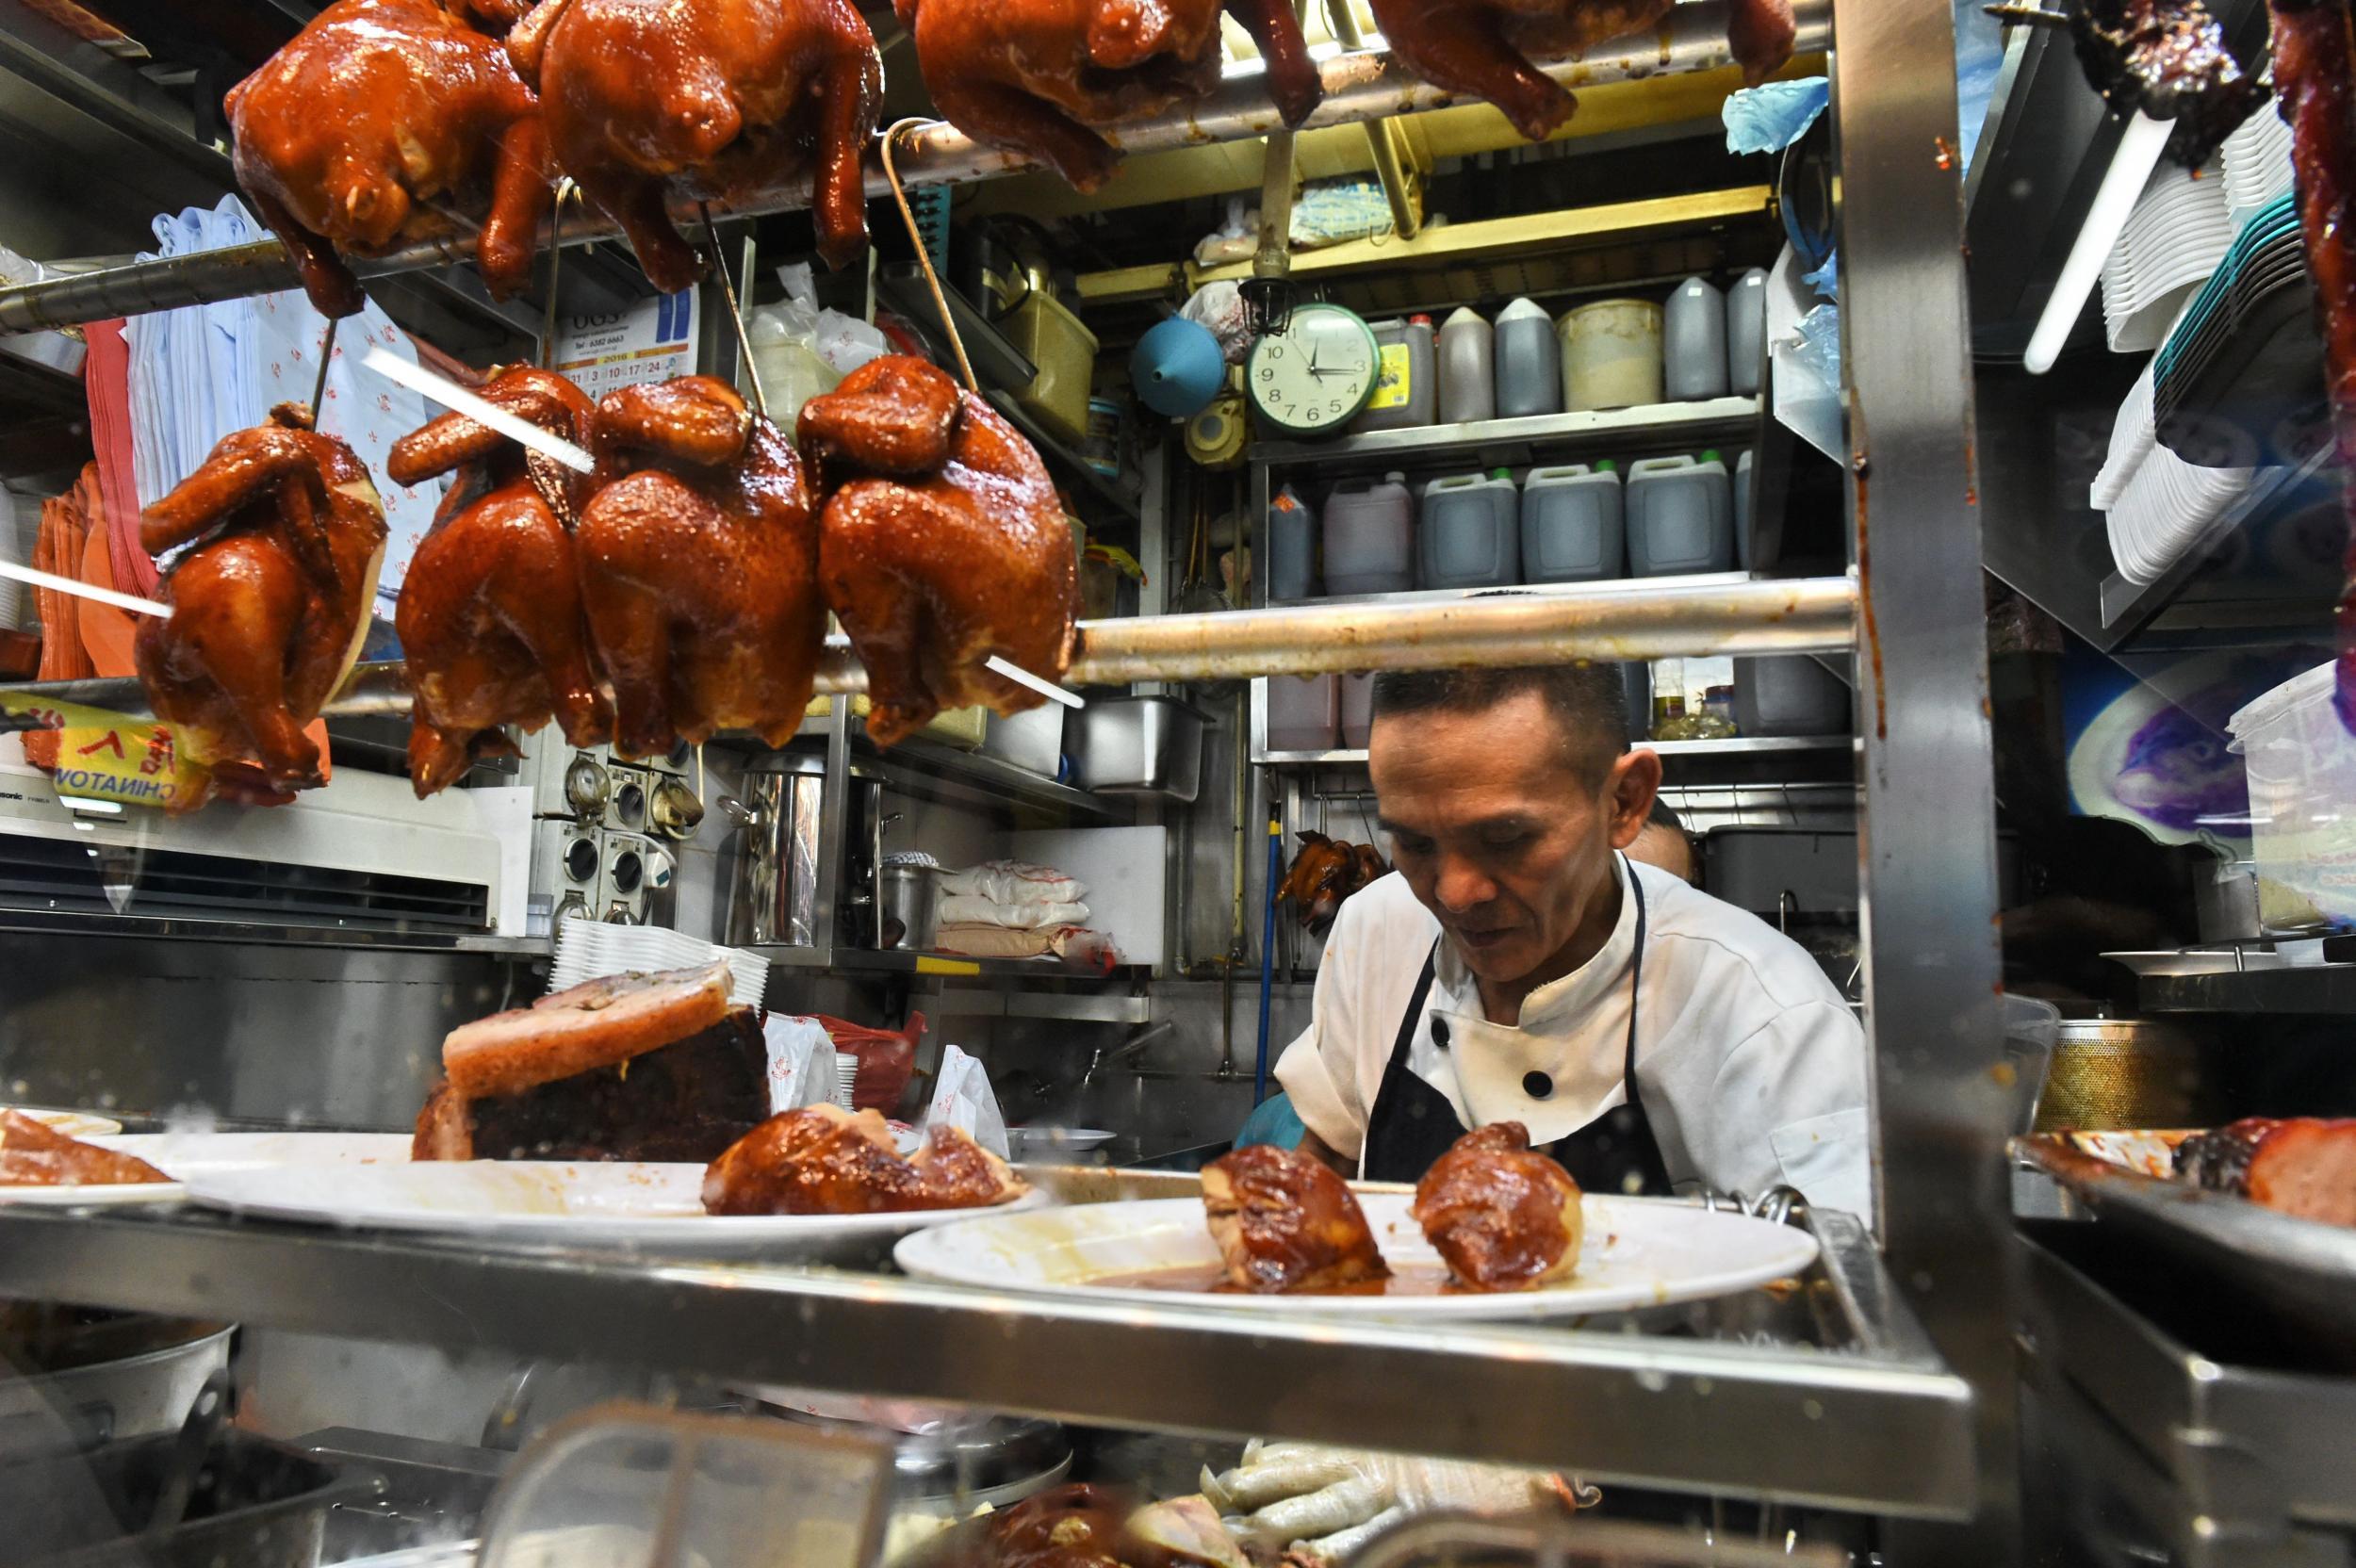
(1751,1065)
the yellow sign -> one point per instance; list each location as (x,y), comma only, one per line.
(103,756)
(1396,383)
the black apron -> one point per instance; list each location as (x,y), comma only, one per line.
(1413,1124)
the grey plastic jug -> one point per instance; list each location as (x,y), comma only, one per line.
(1694,342)
(1529,361)
(1292,546)
(1469,535)
(1746,333)
(1468,388)
(1572,529)
(1370,534)
(1680,519)
(1407,393)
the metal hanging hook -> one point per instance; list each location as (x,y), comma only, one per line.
(566,190)
(728,291)
(318,382)
(924,253)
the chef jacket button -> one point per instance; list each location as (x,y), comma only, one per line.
(1439,1032)
(1537,1084)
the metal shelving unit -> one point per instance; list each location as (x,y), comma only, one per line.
(1740,745)
(1605,432)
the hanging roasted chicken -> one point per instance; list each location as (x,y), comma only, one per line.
(1043,77)
(490,614)
(942,544)
(383,121)
(1325,871)
(699,567)
(1484,47)
(269,606)
(648,100)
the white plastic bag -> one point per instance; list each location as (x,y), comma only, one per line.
(1014,882)
(963,1099)
(844,342)
(801,1063)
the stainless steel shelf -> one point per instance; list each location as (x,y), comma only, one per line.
(951,966)
(2275,988)
(1829,1395)
(1606,430)
(1740,745)
(911,761)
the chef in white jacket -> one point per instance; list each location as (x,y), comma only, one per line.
(1519,968)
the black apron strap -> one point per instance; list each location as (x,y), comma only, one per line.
(1617,1151)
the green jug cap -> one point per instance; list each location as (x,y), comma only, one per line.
(1605,466)
(1500,473)
(1709,454)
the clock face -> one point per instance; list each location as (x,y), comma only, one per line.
(1314,376)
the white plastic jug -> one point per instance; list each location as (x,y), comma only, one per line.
(1611,355)
(1746,333)
(1694,342)
(1357,710)
(1292,546)
(1528,363)
(1468,388)
(1742,545)
(1680,516)
(1304,712)
(1370,534)
(1469,535)
(1571,527)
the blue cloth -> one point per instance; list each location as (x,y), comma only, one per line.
(1772,116)
(1273,1121)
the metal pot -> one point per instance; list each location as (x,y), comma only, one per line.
(138,1395)
(773,855)
(2112,1073)
(912,902)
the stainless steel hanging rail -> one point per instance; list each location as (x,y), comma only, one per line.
(1801,616)
(1359,86)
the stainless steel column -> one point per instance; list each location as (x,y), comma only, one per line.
(1928,849)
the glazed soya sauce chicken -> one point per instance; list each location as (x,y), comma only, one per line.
(388,121)
(1501,1214)
(36,1155)
(1325,871)
(1043,79)
(490,615)
(697,98)
(822,1159)
(284,534)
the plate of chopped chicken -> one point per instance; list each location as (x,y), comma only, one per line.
(40,1164)
(817,1175)
(1495,1229)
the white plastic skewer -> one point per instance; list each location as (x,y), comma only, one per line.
(39,578)
(1021,677)
(451,395)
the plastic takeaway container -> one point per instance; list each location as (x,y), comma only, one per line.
(1470,533)
(1528,362)
(1694,342)
(1304,712)
(1742,511)
(1571,523)
(1468,371)
(1680,516)
(1370,534)
(1407,393)
(1357,709)
(1292,546)
(1611,355)
(1789,694)
(2302,765)
(1746,333)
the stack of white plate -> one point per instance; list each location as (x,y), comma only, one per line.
(591,949)
(2174,238)
(2155,505)
(2257,161)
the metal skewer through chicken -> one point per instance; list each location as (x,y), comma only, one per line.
(699,567)
(648,99)
(388,121)
(942,544)
(1484,47)
(268,609)
(490,615)
(1043,77)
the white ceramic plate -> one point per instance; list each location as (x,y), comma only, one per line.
(185,1154)
(73,1124)
(1638,1252)
(1046,1143)
(607,1204)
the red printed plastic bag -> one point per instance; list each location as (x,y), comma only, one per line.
(887,1060)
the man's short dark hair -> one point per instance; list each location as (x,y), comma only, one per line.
(1589,701)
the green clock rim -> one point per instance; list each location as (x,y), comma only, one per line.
(1374,349)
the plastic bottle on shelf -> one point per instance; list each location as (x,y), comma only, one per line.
(1742,543)
(1357,710)
(1694,342)
(1680,516)
(1746,333)
(1370,534)
(1469,535)
(1304,712)
(1669,722)
(1406,392)
(1528,362)
(1571,527)
(1292,546)
(1610,351)
(1468,385)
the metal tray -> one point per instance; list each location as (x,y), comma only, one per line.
(2298,1275)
